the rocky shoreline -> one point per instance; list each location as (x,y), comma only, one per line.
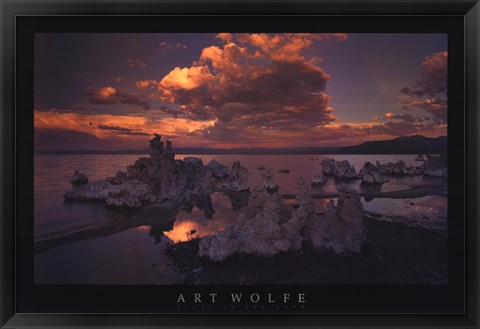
(378,174)
(275,229)
(160,178)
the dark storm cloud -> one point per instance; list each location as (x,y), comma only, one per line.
(166,47)
(406,117)
(173,112)
(438,107)
(39,108)
(126,98)
(136,63)
(434,77)
(122,130)
(198,113)
(430,92)
(114,128)
(402,128)
(133,133)
(110,95)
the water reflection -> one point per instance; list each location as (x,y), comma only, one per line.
(159,219)
(185,230)
(428,211)
(195,222)
(106,246)
(52,175)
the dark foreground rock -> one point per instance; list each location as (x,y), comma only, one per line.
(393,253)
(161,177)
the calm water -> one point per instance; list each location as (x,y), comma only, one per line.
(135,255)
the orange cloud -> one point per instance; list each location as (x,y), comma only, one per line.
(436,64)
(108,126)
(286,47)
(260,88)
(225,37)
(145,84)
(192,133)
(252,79)
(186,78)
(105,93)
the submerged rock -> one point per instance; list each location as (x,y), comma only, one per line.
(372,174)
(398,168)
(343,170)
(284,171)
(328,167)
(339,169)
(79,178)
(435,166)
(160,177)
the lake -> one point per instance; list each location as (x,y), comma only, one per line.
(135,255)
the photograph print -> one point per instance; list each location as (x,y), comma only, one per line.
(240,159)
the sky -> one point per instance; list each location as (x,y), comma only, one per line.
(113,91)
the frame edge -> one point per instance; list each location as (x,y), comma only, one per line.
(472,105)
(7,162)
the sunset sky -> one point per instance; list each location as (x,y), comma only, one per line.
(113,91)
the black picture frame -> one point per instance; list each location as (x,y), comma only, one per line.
(13,142)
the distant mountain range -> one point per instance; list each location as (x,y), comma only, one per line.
(401,145)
